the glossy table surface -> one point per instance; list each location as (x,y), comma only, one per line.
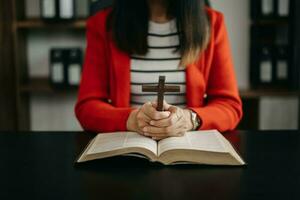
(40,165)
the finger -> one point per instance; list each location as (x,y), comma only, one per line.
(154,104)
(166,105)
(170,121)
(160,131)
(142,120)
(141,116)
(181,129)
(179,134)
(173,109)
(175,116)
(141,125)
(152,113)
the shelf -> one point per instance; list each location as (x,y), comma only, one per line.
(271,22)
(42,85)
(40,24)
(257,93)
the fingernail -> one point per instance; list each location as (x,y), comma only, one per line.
(146,134)
(145,129)
(151,122)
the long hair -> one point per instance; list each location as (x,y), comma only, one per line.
(129,19)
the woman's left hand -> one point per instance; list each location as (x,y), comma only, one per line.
(178,122)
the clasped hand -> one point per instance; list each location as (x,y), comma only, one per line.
(172,122)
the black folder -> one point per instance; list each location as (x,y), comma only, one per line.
(74,66)
(57,75)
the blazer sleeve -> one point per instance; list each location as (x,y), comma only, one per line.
(92,109)
(223,109)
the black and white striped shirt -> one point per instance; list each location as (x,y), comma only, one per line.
(161,59)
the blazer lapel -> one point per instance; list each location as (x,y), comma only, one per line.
(195,84)
(120,77)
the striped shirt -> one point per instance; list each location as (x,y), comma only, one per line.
(161,60)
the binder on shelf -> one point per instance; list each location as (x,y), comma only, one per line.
(32,8)
(267,8)
(282,64)
(66,9)
(55,10)
(282,35)
(82,9)
(65,67)
(57,67)
(283,8)
(266,66)
(74,66)
(49,9)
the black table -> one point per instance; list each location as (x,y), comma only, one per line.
(40,165)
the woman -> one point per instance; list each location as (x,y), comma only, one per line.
(134,42)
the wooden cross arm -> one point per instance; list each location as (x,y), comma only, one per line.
(154,88)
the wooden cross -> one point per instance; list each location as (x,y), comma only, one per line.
(161,88)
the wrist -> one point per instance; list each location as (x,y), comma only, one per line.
(188,116)
(196,123)
(131,121)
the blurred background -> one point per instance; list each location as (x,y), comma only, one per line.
(42,46)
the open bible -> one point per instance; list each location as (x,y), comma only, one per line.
(196,147)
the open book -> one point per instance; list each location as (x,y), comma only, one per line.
(198,147)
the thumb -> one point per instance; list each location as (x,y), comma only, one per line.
(166,106)
(154,104)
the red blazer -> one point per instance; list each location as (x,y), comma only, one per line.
(104,95)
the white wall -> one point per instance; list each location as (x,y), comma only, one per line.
(56,112)
(237,21)
(278,113)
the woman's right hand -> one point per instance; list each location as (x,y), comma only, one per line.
(141,117)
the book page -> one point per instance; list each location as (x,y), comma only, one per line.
(113,141)
(136,140)
(197,140)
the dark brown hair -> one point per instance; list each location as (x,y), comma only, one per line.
(129,19)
